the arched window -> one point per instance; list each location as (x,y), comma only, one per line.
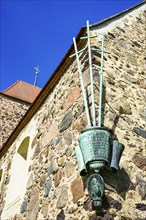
(18,180)
(23,149)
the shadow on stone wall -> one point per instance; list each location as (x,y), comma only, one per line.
(103,104)
(115,122)
(118,182)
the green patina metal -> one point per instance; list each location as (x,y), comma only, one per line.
(95,144)
(95,187)
(80,160)
(96,149)
(117,150)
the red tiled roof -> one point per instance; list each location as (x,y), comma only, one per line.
(23,91)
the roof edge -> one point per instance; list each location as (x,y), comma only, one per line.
(118,14)
(14,91)
(44,92)
(11,86)
(17,83)
(53,80)
(12,97)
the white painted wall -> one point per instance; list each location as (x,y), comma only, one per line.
(16,185)
(19,175)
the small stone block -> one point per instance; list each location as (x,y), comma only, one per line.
(47,188)
(77,189)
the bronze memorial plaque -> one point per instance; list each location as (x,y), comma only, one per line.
(95,145)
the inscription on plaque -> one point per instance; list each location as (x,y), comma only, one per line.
(95,145)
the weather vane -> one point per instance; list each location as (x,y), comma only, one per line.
(36,74)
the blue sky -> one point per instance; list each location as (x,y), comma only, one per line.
(39,33)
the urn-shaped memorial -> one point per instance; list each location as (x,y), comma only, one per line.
(95,145)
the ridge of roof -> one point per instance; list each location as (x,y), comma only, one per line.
(53,80)
(19,81)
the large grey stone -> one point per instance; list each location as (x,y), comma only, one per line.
(53,167)
(141,186)
(69,169)
(33,205)
(63,197)
(140,161)
(140,132)
(57,140)
(66,121)
(23,206)
(61,215)
(47,188)
(68,137)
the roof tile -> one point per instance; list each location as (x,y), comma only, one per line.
(23,91)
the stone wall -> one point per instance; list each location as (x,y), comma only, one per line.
(12,111)
(54,187)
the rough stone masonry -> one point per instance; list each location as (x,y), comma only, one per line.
(54,188)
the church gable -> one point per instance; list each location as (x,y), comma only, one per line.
(14,103)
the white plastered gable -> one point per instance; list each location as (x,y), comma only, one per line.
(19,173)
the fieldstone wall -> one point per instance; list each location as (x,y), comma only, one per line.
(55,189)
(12,111)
